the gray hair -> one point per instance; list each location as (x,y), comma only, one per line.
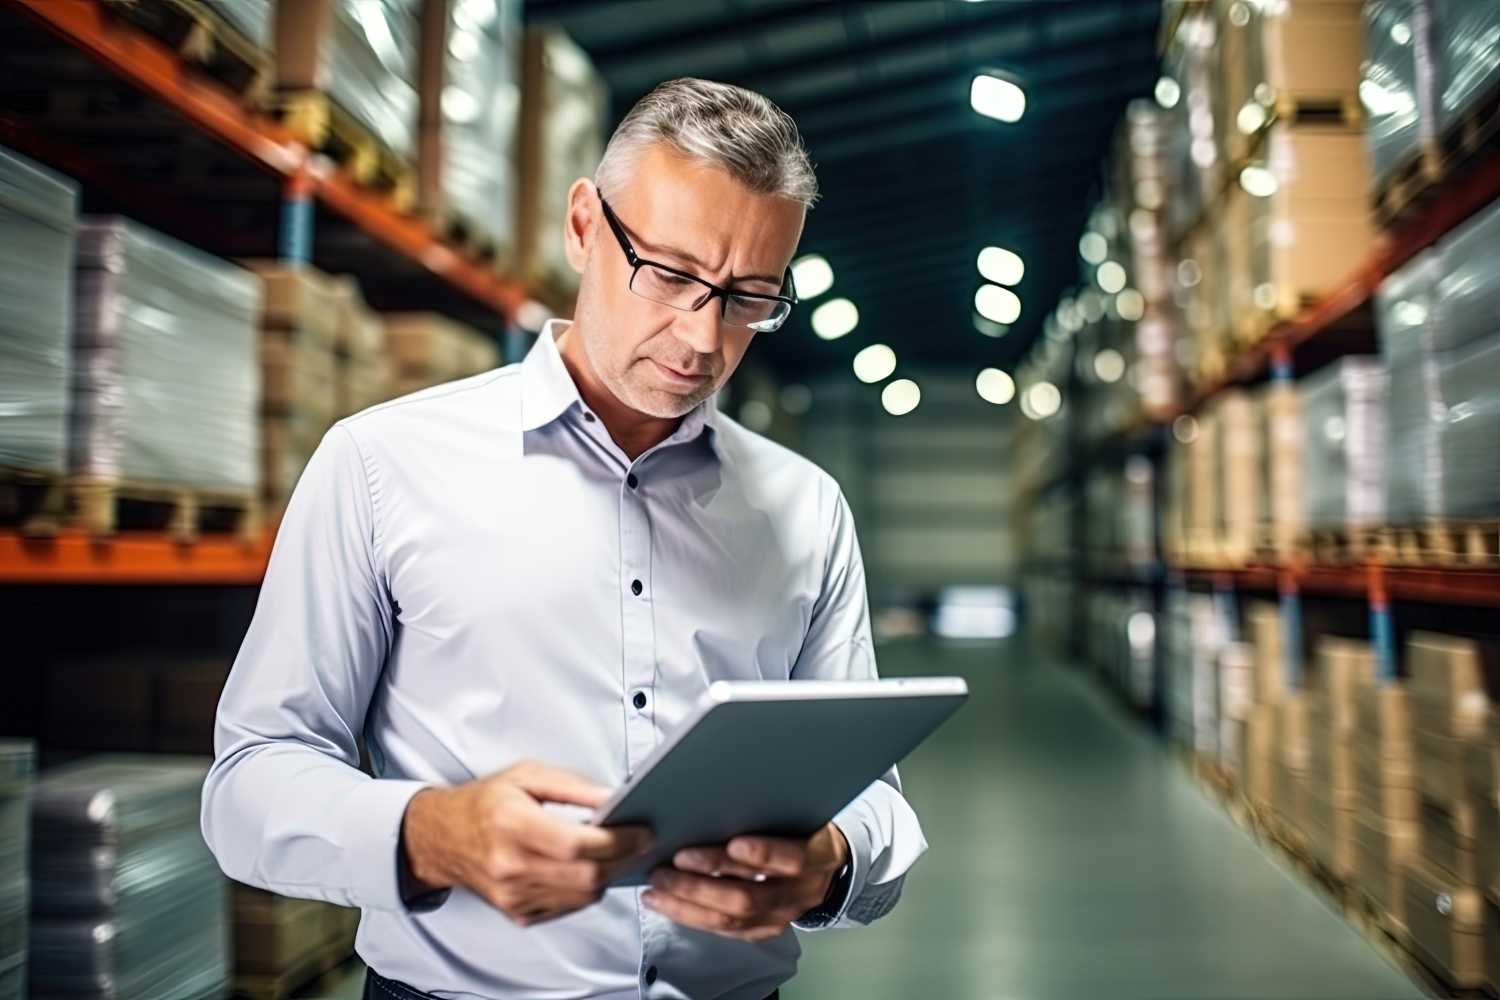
(731,127)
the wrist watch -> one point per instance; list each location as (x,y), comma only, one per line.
(837,889)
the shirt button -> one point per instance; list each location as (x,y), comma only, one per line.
(631,481)
(588,416)
(636,588)
(651,975)
(640,699)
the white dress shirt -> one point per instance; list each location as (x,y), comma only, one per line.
(476,574)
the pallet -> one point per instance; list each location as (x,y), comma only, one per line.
(312,974)
(456,228)
(32,500)
(1347,546)
(1416,180)
(104,507)
(206,41)
(1448,544)
(320,123)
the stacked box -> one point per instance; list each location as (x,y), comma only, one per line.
(1452,683)
(1263,735)
(1385,819)
(1208,637)
(1238,466)
(563,105)
(1276,54)
(17,767)
(38,219)
(1210,323)
(1236,702)
(1343,410)
(165,380)
(427,349)
(362,54)
(470,108)
(1333,783)
(300,329)
(1291,768)
(1202,514)
(127,899)
(362,370)
(274,935)
(1286,501)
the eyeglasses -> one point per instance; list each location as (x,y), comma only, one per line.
(689,293)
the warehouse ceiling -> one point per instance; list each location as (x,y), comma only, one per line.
(914,182)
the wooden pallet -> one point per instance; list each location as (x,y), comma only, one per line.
(1449,544)
(205,40)
(1416,180)
(311,974)
(1346,546)
(33,501)
(319,122)
(105,507)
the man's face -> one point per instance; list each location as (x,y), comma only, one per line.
(655,359)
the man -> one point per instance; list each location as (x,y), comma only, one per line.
(515,585)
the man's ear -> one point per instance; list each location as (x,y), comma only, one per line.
(581,223)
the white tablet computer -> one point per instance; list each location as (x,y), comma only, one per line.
(778,758)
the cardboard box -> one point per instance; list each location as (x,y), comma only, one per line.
(1264,621)
(360,334)
(300,300)
(1445,919)
(1330,833)
(1239,463)
(432,347)
(363,384)
(1260,755)
(1314,48)
(274,933)
(1381,851)
(1449,839)
(1287,506)
(297,378)
(1450,679)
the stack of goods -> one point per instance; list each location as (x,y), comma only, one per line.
(127,900)
(1208,637)
(1343,411)
(1236,702)
(1237,471)
(362,371)
(38,216)
(469,117)
(1385,820)
(1291,769)
(1269,690)
(1201,517)
(164,356)
(283,940)
(299,329)
(17,764)
(1333,786)
(1399,88)
(427,349)
(1295,220)
(360,55)
(1285,504)
(1178,641)
(1453,682)
(1484,775)
(563,105)
(1466,34)
(1440,336)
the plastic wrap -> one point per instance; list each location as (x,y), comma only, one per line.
(166,380)
(38,215)
(1405,317)
(1468,40)
(1344,443)
(128,900)
(1468,384)
(481,112)
(1468,292)
(370,67)
(17,763)
(1398,85)
(251,18)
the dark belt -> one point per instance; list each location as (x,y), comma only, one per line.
(377,987)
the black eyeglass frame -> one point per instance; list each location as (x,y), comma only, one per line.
(636,262)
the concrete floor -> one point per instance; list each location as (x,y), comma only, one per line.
(1072,857)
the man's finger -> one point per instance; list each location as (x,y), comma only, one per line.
(735,897)
(691,914)
(552,784)
(774,855)
(562,841)
(716,862)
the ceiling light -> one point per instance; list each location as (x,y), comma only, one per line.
(997,304)
(812,276)
(1093,248)
(1111,276)
(989,327)
(1130,304)
(1258,181)
(1045,399)
(901,397)
(835,318)
(1109,365)
(1168,92)
(1001,266)
(997,98)
(995,386)
(875,363)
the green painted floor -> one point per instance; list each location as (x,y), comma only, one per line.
(1071,857)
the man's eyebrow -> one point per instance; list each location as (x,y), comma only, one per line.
(671,251)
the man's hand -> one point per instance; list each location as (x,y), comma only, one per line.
(493,837)
(750,888)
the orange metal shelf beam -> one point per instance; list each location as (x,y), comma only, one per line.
(154,68)
(1479,587)
(78,558)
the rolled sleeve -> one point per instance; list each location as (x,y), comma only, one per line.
(285,806)
(885,837)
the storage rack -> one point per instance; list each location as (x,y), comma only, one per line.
(283,181)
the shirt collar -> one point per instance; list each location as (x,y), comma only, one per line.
(548,390)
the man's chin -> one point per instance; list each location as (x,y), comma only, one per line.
(663,404)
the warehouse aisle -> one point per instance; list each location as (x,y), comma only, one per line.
(1071,857)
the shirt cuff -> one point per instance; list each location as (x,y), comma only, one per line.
(371,837)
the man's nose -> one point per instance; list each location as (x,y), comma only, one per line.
(700,329)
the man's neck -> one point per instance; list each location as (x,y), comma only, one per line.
(635,432)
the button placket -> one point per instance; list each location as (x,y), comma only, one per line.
(639,628)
